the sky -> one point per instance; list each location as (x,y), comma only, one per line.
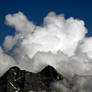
(35,10)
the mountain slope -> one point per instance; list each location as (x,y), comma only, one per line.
(23,81)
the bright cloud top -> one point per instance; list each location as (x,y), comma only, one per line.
(55,34)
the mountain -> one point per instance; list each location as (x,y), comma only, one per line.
(16,80)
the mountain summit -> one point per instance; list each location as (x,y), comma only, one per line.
(16,80)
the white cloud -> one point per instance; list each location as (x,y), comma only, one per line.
(54,43)
(86,46)
(20,22)
(55,34)
(6,62)
(11,41)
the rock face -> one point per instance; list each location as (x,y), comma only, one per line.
(16,80)
(48,80)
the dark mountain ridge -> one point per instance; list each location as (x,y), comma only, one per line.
(16,80)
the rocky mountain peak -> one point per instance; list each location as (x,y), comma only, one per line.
(16,80)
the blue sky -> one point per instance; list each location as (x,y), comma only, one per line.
(35,10)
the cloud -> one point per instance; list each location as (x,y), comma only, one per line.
(55,34)
(20,22)
(86,46)
(6,62)
(59,42)
(11,41)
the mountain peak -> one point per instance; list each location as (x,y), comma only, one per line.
(16,79)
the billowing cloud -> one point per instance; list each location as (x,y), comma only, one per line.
(55,34)
(86,47)
(6,62)
(20,22)
(59,42)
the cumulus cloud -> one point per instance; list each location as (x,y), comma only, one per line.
(59,42)
(6,62)
(55,34)
(10,41)
(86,47)
(20,22)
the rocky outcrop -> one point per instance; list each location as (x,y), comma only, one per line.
(48,80)
(16,80)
